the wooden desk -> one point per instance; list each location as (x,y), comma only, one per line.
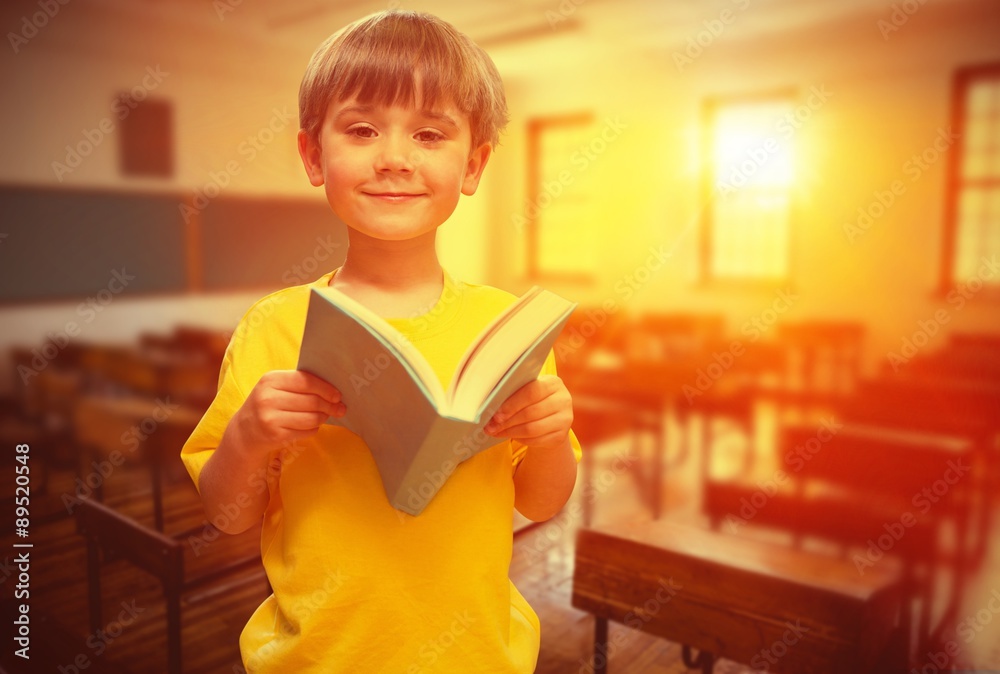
(738,599)
(119,429)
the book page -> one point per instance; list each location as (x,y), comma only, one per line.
(500,348)
(486,334)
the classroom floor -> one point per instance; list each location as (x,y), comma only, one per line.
(542,568)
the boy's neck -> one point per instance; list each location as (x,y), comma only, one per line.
(392,277)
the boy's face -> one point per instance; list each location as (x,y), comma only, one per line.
(393,173)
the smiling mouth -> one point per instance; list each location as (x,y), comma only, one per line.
(393,196)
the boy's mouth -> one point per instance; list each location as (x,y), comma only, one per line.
(394,196)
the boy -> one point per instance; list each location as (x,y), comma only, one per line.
(399,114)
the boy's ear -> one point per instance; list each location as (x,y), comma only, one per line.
(474,169)
(312,158)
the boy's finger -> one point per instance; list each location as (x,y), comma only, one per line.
(528,426)
(298,381)
(529,394)
(303,421)
(532,412)
(324,388)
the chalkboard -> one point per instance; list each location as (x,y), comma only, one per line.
(68,244)
(267,242)
(65,244)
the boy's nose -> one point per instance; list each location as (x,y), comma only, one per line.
(395,154)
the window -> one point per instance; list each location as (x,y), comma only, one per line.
(972,219)
(559,229)
(746,232)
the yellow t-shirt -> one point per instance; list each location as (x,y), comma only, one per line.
(359,586)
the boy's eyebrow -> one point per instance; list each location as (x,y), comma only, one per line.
(445,119)
(353,109)
(365,109)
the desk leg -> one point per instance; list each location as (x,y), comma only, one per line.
(157,478)
(600,645)
(659,447)
(705,660)
(587,470)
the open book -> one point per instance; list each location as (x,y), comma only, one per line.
(418,431)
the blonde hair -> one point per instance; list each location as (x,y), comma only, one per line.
(379,58)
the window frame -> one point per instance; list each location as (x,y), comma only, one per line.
(710,104)
(962,81)
(535,128)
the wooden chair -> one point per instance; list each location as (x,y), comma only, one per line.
(670,336)
(967,357)
(823,357)
(607,403)
(965,410)
(121,537)
(595,421)
(748,601)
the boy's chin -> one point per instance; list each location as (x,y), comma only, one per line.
(388,232)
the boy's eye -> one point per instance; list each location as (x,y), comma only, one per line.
(361,131)
(428,136)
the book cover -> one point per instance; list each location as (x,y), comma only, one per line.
(417,431)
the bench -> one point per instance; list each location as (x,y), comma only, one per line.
(768,606)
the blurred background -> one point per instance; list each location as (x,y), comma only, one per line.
(781,221)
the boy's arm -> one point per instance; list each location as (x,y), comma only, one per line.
(539,415)
(284,406)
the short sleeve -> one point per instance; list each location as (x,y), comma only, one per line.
(208,433)
(519,450)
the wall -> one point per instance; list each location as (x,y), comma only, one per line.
(889,99)
(886,100)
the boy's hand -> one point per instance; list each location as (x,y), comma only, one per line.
(285,406)
(539,414)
